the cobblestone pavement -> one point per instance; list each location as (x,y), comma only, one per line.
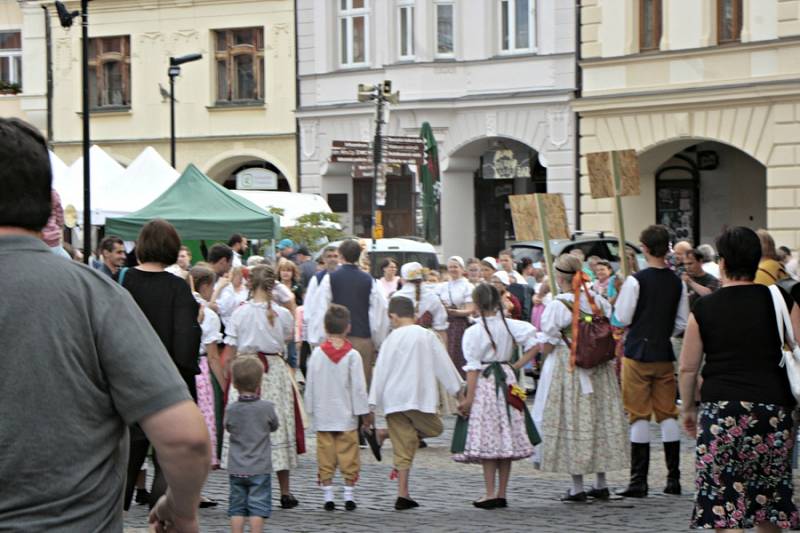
(445,491)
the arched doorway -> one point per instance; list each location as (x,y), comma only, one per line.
(698,188)
(270,177)
(496,167)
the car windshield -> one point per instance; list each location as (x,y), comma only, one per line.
(535,254)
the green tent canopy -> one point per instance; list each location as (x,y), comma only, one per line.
(200,208)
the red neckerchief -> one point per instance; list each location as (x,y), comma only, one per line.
(336,354)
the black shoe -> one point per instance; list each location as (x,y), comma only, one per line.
(142,496)
(288,501)
(422,444)
(672,455)
(502,503)
(579,497)
(405,503)
(599,494)
(372,439)
(349,505)
(486,504)
(640,465)
(329,506)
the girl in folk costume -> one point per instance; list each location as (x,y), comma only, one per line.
(202,280)
(456,295)
(578,411)
(499,430)
(261,328)
(428,307)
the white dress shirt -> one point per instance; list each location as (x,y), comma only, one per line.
(477,345)
(411,364)
(250,331)
(336,393)
(323,297)
(628,298)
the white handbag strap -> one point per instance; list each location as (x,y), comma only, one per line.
(783,318)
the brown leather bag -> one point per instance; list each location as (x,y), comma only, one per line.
(592,335)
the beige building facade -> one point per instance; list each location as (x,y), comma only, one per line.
(706,92)
(234,107)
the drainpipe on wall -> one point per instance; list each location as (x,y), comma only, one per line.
(48,37)
(297,100)
(578,94)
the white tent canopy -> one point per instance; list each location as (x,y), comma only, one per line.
(145,179)
(294,204)
(103,170)
(59,170)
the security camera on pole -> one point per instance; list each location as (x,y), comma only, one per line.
(381,93)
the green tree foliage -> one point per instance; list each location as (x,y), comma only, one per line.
(312,229)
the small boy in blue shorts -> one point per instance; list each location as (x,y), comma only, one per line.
(249,421)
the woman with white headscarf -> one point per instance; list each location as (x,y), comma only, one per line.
(428,308)
(456,295)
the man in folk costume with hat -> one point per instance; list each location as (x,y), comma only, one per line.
(654,303)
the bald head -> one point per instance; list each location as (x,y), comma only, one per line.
(680,249)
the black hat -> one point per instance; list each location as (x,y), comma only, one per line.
(303,251)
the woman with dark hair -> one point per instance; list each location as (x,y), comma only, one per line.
(497,432)
(578,411)
(389,282)
(167,302)
(744,427)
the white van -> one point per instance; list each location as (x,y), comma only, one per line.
(402,250)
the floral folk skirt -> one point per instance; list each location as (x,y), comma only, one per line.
(455,334)
(582,433)
(205,401)
(744,470)
(492,433)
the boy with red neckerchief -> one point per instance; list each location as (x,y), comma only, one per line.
(335,396)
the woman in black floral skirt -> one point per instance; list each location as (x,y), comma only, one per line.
(744,427)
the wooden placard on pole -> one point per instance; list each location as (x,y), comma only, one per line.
(614,175)
(540,217)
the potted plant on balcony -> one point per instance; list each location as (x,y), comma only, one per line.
(9,88)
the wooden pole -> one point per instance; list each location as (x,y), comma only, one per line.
(616,181)
(548,256)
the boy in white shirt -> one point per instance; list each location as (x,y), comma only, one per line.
(411,362)
(335,396)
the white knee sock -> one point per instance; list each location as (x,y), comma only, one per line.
(327,490)
(577,484)
(640,432)
(348,493)
(670,432)
(601,481)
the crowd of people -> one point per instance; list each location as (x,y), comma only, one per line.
(226,362)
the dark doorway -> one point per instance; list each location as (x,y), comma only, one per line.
(494,227)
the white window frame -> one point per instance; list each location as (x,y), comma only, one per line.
(437,54)
(405,9)
(15,54)
(348,14)
(512,23)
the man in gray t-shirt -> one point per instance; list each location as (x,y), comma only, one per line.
(79,363)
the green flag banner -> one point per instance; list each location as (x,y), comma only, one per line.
(431,187)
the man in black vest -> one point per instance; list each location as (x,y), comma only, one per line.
(359,293)
(654,304)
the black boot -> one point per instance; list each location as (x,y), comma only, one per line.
(672,455)
(640,464)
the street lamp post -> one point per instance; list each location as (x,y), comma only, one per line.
(66,19)
(382,94)
(173,72)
